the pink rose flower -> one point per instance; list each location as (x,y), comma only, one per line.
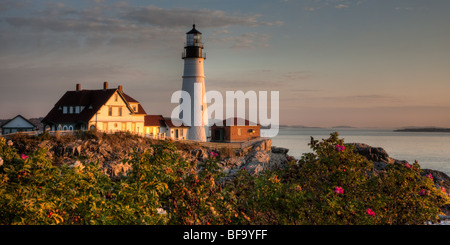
(340,148)
(429,176)
(370,212)
(23,156)
(338,190)
(422,192)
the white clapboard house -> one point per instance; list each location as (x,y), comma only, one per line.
(17,124)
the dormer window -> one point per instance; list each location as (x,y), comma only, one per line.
(64,109)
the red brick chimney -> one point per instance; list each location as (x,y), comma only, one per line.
(78,87)
(105,85)
(120,88)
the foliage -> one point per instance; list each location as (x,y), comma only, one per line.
(331,185)
(162,188)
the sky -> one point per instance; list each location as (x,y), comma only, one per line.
(361,63)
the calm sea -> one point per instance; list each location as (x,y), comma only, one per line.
(430,149)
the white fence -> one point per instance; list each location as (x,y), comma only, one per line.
(161,136)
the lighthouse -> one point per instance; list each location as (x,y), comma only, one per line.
(194,85)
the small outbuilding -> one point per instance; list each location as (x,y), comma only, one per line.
(17,124)
(235,130)
(173,131)
(157,126)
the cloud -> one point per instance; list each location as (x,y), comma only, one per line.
(340,6)
(310,8)
(120,23)
(298,75)
(404,8)
(6,5)
(59,17)
(314,5)
(247,40)
(178,17)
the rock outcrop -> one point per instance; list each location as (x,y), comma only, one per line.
(381,159)
(112,152)
(259,156)
(377,155)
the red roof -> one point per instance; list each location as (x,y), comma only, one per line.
(154,120)
(129,99)
(235,122)
(170,124)
(92,100)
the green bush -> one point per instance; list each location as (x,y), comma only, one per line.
(162,188)
(33,191)
(331,185)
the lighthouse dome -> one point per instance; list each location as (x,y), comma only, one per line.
(193,31)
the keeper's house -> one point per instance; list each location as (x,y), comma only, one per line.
(108,110)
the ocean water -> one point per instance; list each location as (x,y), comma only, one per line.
(430,149)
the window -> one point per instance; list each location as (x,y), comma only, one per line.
(64,109)
(71,110)
(77,109)
(110,111)
(116,97)
(124,126)
(134,108)
(105,126)
(120,111)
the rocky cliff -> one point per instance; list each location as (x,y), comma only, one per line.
(381,159)
(113,151)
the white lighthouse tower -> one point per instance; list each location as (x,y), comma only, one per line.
(194,84)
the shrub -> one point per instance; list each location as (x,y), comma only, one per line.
(33,191)
(333,185)
(330,185)
(162,188)
(187,192)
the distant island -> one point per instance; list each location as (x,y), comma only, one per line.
(302,126)
(343,126)
(426,129)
